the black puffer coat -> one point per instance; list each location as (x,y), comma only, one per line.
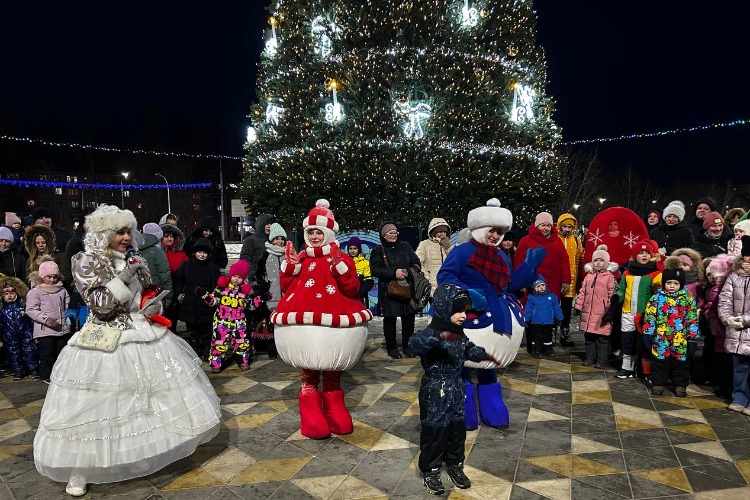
(400,255)
(673,237)
(193,278)
(219,255)
(13,262)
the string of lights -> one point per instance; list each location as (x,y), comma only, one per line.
(658,134)
(92,185)
(482,147)
(74,145)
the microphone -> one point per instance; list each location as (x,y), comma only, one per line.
(132,252)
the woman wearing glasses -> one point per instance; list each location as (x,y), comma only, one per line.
(392,260)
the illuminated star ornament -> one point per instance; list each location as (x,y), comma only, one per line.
(523,102)
(469,16)
(416,115)
(323,32)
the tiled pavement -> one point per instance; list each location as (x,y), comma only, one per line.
(575,433)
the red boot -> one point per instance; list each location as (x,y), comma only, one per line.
(335,412)
(312,422)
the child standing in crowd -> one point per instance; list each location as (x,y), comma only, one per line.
(443,348)
(354,249)
(734,311)
(670,323)
(734,246)
(230,298)
(639,282)
(16,328)
(508,245)
(267,277)
(719,370)
(689,261)
(192,279)
(542,314)
(592,304)
(46,304)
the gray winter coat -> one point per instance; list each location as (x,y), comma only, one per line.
(158,265)
(734,301)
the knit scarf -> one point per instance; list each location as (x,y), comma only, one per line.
(488,262)
(443,325)
(274,250)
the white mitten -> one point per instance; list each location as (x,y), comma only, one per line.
(735,322)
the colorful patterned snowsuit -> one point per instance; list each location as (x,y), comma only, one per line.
(230,325)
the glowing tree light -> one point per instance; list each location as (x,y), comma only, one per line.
(333,110)
(272,45)
(469,16)
(273,113)
(252,135)
(323,31)
(523,103)
(416,115)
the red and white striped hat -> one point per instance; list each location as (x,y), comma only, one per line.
(321,216)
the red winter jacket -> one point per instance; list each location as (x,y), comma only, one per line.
(556,266)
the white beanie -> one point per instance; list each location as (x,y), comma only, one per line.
(482,219)
(676,208)
(743,225)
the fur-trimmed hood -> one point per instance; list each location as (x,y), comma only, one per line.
(33,276)
(694,256)
(732,213)
(30,236)
(612,267)
(179,236)
(20,287)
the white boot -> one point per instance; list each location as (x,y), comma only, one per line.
(76,485)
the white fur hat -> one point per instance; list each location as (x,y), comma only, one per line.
(743,225)
(676,208)
(109,218)
(482,219)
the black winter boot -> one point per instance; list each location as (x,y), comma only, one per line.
(456,473)
(565,339)
(433,483)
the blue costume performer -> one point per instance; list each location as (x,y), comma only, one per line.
(482,267)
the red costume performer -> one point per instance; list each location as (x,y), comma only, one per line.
(321,326)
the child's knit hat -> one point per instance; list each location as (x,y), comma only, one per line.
(11,218)
(153,229)
(276,231)
(538,282)
(643,246)
(48,268)
(720,266)
(743,225)
(354,241)
(204,245)
(673,274)
(601,253)
(461,302)
(241,268)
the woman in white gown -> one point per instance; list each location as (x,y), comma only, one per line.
(116,415)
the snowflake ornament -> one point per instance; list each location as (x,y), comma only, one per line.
(318,295)
(631,239)
(489,314)
(330,289)
(311,266)
(476,321)
(596,237)
(310,283)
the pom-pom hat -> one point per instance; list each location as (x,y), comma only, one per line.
(676,208)
(109,218)
(601,253)
(321,217)
(480,220)
(47,268)
(240,268)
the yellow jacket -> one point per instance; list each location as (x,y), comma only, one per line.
(574,247)
(363,267)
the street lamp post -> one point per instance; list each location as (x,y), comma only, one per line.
(169,203)
(122,192)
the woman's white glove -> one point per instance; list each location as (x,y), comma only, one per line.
(735,322)
(134,263)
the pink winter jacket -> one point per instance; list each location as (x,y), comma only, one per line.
(711,312)
(594,299)
(48,301)
(735,301)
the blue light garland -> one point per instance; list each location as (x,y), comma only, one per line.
(91,185)
(658,134)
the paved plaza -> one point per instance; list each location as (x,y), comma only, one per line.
(576,433)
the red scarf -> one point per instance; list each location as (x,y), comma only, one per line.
(487,261)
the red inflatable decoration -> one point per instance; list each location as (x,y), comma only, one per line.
(617,227)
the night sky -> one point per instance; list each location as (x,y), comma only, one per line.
(179,76)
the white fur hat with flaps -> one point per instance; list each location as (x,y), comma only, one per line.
(109,218)
(490,215)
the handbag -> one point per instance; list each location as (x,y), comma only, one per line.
(99,337)
(399,290)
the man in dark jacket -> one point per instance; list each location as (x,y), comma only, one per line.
(44,217)
(715,236)
(702,207)
(209,229)
(254,245)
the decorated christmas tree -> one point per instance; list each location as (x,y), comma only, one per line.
(402,110)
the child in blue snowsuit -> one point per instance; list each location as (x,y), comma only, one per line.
(542,313)
(443,348)
(17,329)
